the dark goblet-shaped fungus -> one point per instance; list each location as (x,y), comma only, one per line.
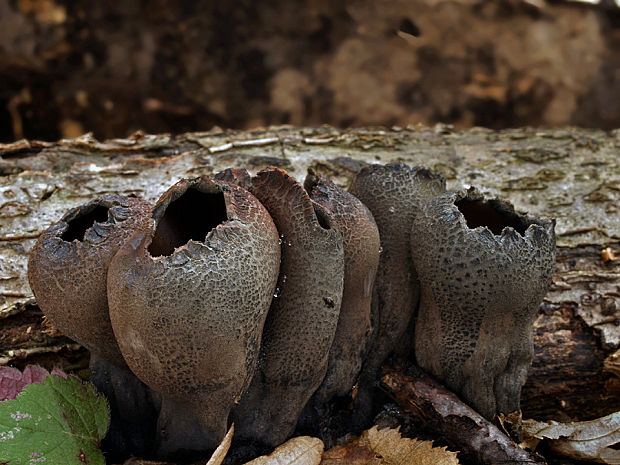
(303,316)
(484,270)
(68,266)
(391,192)
(360,238)
(188,299)
(67,270)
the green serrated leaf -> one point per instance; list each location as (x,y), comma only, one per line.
(61,421)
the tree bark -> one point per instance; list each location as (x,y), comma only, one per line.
(470,433)
(570,174)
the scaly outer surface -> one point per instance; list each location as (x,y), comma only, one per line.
(480,296)
(390,192)
(69,278)
(303,317)
(69,282)
(189,324)
(360,238)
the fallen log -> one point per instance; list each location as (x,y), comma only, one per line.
(569,174)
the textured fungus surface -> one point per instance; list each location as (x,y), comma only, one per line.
(256,292)
(67,270)
(68,266)
(391,192)
(484,270)
(360,238)
(188,304)
(304,313)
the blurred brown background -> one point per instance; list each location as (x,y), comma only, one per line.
(114,67)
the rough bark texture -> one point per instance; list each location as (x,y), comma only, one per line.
(570,174)
(470,433)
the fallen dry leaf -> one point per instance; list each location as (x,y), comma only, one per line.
(302,450)
(608,255)
(388,447)
(220,453)
(612,363)
(583,440)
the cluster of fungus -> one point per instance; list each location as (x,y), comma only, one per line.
(259,300)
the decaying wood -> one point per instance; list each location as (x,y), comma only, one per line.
(570,174)
(468,431)
(567,380)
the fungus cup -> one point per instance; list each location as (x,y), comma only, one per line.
(484,270)
(390,192)
(68,266)
(67,271)
(188,295)
(304,313)
(360,238)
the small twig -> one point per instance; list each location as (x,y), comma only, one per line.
(20,237)
(256,142)
(221,148)
(572,232)
(318,140)
(442,411)
(244,143)
(25,353)
(13,294)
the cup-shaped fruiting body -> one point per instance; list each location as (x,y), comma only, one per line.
(390,192)
(360,238)
(68,267)
(484,271)
(67,270)
(188,299)
(303,316)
